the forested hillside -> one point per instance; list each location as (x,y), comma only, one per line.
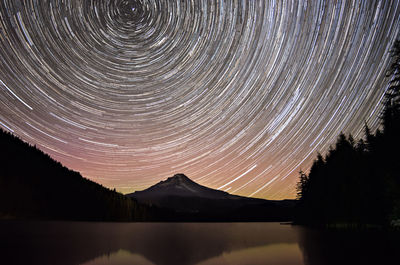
(357,183)
(33,185)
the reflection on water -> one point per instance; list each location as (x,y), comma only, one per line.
(188,243)
(276,254)
(344,247)
(120,257)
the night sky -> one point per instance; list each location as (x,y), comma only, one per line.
(237,95)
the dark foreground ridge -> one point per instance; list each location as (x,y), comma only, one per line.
(186,200)
(34,186)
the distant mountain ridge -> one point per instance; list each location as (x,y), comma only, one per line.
(181,185)
(188,200)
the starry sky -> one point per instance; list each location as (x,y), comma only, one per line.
(237,95)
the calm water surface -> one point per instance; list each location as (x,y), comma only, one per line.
(190,243)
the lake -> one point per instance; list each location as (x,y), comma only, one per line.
(91,243)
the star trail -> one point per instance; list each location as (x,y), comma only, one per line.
(237,95)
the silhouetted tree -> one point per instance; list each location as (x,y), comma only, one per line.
(302,185)
(392,96)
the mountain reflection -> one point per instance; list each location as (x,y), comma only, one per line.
(121,257)
(275,254)
(188,243)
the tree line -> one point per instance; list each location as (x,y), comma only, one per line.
(34,186)
(357,183)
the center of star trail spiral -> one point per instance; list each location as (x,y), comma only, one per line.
(238,95)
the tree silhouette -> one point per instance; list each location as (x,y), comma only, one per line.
(358,183)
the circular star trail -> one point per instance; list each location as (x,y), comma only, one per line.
(238,95)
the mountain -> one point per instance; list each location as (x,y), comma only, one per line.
(181,185)
(185,200)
